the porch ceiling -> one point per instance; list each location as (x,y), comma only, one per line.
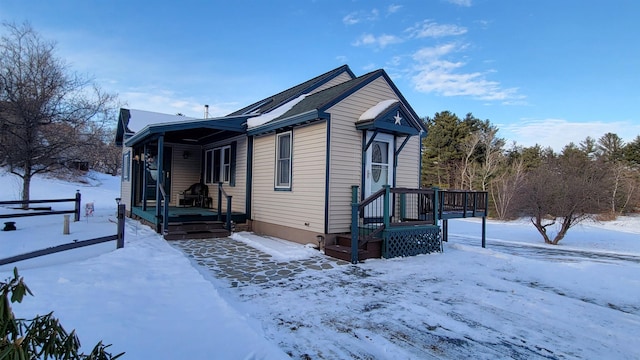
(196,132)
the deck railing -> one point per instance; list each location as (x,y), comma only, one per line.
(387,209)
(462,203)
(413,206)
(410,216)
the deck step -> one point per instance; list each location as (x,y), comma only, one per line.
(342,248)
(344,252)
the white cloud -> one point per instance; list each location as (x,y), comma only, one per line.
(377,41)
(393,8)
(432,29)
(360,16)
(465,3)
(433,72)
(369,67)
(395,61)
(350,19)
(556,133)
(167,102)
(429,54)
(484,24)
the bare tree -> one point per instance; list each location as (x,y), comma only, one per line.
(46,110)
(468,168)
(104,155)
(505,187)
(493,155)
(566,189)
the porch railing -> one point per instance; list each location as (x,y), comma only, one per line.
(228,198)
(390,210)
(163,211)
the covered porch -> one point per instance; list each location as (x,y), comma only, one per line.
(171,160)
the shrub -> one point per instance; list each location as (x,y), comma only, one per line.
(41,337)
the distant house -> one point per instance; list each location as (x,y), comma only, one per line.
(334,160)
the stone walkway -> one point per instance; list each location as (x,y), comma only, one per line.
(241,264)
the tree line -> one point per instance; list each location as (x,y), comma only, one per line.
(597,177)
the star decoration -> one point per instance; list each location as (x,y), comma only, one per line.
(398,118)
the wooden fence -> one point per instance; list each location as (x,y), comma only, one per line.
(75,211)
(118,237)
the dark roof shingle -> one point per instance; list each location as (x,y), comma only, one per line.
(267,104)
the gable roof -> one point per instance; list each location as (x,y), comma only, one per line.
(294,106)
(272,102)
(314,106)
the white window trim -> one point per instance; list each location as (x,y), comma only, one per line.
(209,167)
(278,185)
(126,166)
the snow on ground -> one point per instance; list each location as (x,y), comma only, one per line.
(506,301)
(146,299)
(281,250)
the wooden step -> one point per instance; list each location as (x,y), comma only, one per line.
(195,226)
(344,252)
(343,239)
(201,234)
(373,246)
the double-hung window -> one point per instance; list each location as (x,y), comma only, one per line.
(283,160)
(218,165)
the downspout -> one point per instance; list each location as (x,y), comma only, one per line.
(327,175)
(249,180)
(420,137)
(364,163)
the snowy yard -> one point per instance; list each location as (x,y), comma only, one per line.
(516,299)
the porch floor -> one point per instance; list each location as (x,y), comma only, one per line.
(186,214)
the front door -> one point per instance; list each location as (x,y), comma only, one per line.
(151,170)
(378,167)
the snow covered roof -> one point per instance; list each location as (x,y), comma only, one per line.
(140,118)
(275,113)
(375,111)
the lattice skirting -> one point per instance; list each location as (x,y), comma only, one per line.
(411,241)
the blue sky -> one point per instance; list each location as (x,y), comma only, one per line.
(543,71)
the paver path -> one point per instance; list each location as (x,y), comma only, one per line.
(243,265)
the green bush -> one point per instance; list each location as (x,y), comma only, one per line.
(41,337)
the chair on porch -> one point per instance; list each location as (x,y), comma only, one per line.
(196,195)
